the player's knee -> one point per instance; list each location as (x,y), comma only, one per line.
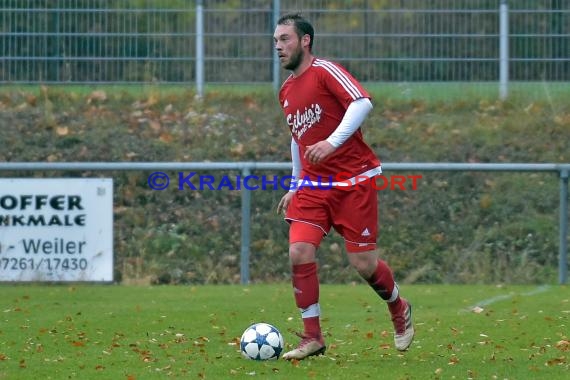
(364,262)
(301,253)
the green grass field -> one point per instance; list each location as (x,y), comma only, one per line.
(191,332)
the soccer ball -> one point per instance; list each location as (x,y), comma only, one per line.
(261,341)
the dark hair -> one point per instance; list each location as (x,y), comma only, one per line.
(302,26)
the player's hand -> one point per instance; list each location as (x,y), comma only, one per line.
(284,202)
(319,152)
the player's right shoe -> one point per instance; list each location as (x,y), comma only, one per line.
(307,347)
(403,326)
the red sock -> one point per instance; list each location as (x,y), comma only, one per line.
(382,281)
(306,289)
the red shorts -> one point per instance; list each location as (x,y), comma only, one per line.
(352,213)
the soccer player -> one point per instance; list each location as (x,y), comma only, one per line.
(324,107)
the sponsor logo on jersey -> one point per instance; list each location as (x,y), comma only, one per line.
(301,122)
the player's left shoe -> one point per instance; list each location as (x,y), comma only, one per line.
(403,326)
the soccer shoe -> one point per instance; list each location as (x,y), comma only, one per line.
(307,347)
(403,326)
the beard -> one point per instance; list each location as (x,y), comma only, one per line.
(295,61)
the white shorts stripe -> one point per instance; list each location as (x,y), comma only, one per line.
(304,221)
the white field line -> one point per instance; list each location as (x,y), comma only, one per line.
(479,305)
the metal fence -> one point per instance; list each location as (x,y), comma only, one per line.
(246,168)
(221,41)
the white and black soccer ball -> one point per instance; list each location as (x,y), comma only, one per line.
(261,341)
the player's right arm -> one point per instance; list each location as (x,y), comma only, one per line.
(295,174)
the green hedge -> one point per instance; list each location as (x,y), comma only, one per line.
(455,228)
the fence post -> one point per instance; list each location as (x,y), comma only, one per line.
(276,11)
(245,229)
(200,48)
(563,249)
(55,65)
(503,49)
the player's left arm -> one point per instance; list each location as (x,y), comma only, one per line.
(352,120)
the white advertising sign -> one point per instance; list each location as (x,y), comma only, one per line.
(56,229)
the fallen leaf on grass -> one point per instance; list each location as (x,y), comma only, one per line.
(556,361)
(166,137)
(151,101)
(486,201)
(563,345)
(22,107)
(453,360)
(98,95)
(200,341)
(31,100)
(438,238)
(154,125)
(62,131)
(237,149)
(234,342)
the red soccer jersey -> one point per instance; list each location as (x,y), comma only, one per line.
(314,103)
